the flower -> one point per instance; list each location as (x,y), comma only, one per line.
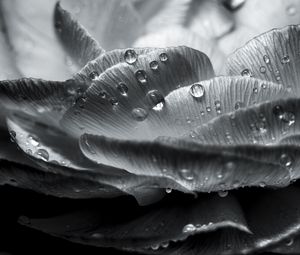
(147,122)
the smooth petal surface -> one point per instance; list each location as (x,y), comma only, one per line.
(195,167)
(96,16)
(31,33)
(120,98)
(44,100)
(273,56)
(152,228)
(191,106)
(178,35)
(75,39)
(256,17)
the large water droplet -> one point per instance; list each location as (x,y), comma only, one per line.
(246,72)
(42,154)
(163,57)
(189,228)
(154,65)
(122,88)
(197,90)
(139,114)
(141,76)
(130,56)
(155,100)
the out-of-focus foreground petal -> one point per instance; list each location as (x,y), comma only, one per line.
(256,17)
(273,56)
(120,98)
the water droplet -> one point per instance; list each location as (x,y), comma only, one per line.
(122,88)
(285,59)
(262,184)
(187,174)
(289,242)
(208,109)
(155,247)
(103,94)
(285,160)
(155,100)
(218,107)
(114,101)
(262,69)
(239,105)
(165,245)
(154,65)
(264,86)
(288,117)
(291,10)
(163,57)
(168,190)
(266,59)
(189,228)
(246,72)
(141,76)
(255,90)
(139,114)
(33,141)
(42,154)
(93,75)
(223,193)
(130,56)
(197,90)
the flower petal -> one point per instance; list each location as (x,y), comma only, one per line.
(177,35)
(113,24)
(45,100)
(273,56)
(31,33)
(267,123)
(152,228)
(120,98)
(74,38)
(189,107)
(192,166)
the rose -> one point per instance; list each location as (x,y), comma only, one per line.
(217,155)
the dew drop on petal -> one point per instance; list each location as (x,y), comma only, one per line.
(139,114)
(223,193)
(155,100)
(189,228)
(122,88)
(141,76)
(218,107)
(155,247)
(187,174)
(197,90)
(130,56)
(42,154)
(285,59)
(286,160)
(291,10)
(168,190)
(154,65)
(266,59)
(33,141)
(246,72)
(262,69)
(93,75)
(114,101)
(163,57)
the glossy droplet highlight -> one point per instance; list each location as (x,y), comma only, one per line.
(141,76)
(246,72)
(139,114)
(163,57)
(187,174)
(168,190)
(154,65)
(189,228)
(93,75)
(286,160)
(42,154)
(130,56)
(155,100)
(122,88)
(33,141)
(285,59)
(197,90)
(218,107)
